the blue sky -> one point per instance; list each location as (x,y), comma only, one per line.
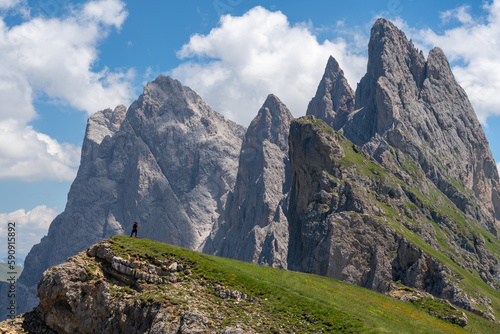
(62,60)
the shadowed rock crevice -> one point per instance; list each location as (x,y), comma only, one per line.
(167,162)
(408,174)
(351,219)
(254,227)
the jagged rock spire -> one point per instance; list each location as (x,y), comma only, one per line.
(334,98)
(271,123)
(417,106)
(392,55)
(254,227)
(167,162)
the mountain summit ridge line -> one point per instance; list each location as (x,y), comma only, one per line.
(364,189)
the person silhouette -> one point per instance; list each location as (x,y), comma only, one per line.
(134,229)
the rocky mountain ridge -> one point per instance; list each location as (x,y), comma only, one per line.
(434,176)
(168,162)
(416,106)
(382,200)
(354,221)
(255,227)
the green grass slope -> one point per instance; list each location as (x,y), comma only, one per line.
(287,302)
(422,212)
(458,226)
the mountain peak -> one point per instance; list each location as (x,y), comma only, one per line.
(168,166)
(416,106)
(274,105)
(163,86)
(167,97)
(254,227)
(391,54)
(271,123)
(334,99)
(163,89)
(385,32)
(384,25)
(166,81)
(332,65)
(438,67)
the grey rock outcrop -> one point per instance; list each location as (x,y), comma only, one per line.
(96,292)
(334,99)
(167,162)
(254,227)
(346,218)
(415,105)
(424,300)
(304,197)
(66,297)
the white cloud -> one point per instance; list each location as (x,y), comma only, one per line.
(29,155)
(460,13)
(54,57)
(498,167)
(248,57)
(6,4)
(109,12)
(472,45)
(30,227)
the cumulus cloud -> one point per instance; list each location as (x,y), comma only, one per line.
(6,4)
(460,13)
(54,57)
(29,155)
(498,166)
(245,58)
(31,226)
(109,12)
(471,45)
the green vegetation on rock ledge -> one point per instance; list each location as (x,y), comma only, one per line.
(227,294)
(417,208)
(284,301)
(309,119)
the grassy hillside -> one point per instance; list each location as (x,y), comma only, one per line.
(433,208)
(417,210)
(284,301)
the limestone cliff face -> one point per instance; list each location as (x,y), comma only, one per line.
(438,176)
(352,219)
(415,105)
(89,213)
(334,99)
(408,174)
(168,163)
(254,227)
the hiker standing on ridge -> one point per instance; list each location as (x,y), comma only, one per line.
(134,230)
